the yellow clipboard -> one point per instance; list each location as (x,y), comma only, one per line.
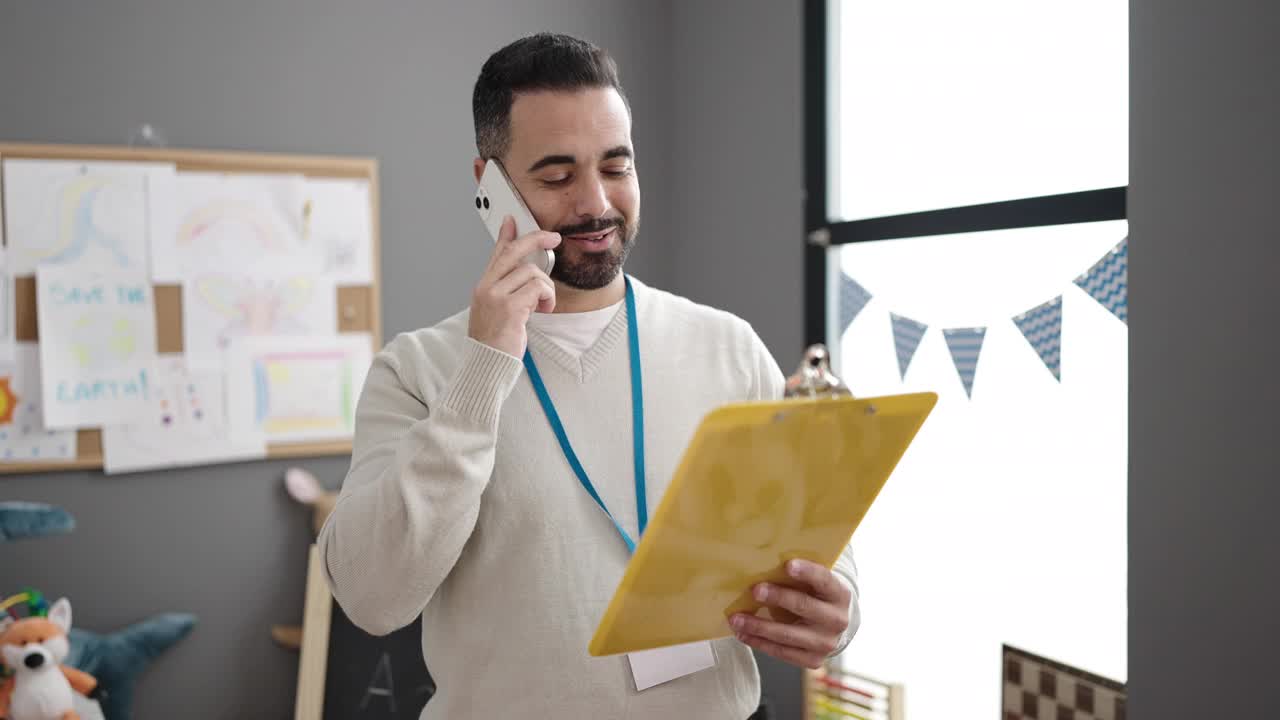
(759,484)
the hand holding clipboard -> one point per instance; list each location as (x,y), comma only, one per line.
(759,484)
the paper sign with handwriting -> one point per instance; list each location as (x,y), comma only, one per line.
(97,345)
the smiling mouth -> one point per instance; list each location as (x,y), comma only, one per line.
(593,239)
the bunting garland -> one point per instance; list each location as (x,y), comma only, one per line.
(1042,327)
(907,334)
(853,297)
(965,345)
(1106,282)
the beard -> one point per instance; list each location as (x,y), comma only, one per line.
(593,270)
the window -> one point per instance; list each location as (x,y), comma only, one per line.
(965,164)
(942,104)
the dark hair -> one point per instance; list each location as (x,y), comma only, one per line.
(545,61)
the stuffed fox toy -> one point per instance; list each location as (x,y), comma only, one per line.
(33,649)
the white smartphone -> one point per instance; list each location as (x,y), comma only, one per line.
(497,198)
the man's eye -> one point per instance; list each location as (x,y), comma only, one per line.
(558,180)
(618,171)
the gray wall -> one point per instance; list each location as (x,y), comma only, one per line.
(737,174)
(391,80)
(1203,492)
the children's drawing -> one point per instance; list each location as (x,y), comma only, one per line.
(338,215)
(24,437)
(297,389)
(78,214)
(102,341)
(183,424)
(98,345)
(8,400)
(211,222)
(219,308)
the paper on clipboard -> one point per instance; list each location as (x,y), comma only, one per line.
(760,484)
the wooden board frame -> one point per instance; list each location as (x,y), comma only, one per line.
(313,658)
(359,306)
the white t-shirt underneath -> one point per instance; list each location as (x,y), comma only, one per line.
(575,332)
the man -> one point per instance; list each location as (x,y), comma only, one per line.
(464,504)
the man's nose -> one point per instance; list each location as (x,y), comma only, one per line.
(592,200)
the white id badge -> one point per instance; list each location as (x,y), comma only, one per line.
(654,667)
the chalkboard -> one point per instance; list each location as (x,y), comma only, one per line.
(370,678)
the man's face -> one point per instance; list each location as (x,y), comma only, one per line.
(571,159)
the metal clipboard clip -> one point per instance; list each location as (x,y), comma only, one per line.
(814,379)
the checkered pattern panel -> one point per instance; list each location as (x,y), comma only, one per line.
(1037,688)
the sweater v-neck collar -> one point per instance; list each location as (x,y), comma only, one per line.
(583,367)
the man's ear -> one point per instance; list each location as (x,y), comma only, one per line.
(478,165)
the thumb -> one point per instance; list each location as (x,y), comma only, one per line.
(508,231)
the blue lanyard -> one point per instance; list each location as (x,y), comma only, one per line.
(637,424)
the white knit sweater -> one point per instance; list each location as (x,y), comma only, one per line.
(461,506)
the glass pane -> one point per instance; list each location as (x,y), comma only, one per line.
(1006,520)
(937,103)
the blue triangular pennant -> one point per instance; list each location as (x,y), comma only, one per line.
(1042,327)
(965,345)
(853,297)
(907,334)
(1108,281)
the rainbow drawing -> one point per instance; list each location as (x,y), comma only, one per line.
(77,228)
(230,218)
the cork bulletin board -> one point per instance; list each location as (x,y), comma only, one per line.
(357,306)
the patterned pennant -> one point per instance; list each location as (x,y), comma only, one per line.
(853,297)
(1108,281)
(1042,326)
(965,345)
(907,334)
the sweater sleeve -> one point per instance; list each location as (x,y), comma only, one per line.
(847,571)
(412,496)
(769,385)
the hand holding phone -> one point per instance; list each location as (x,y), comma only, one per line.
(514,285)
